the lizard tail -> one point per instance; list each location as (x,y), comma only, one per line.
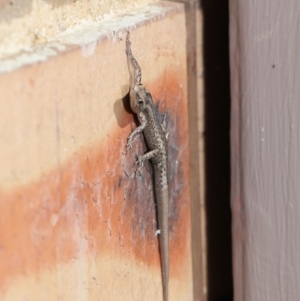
(162,203)
(137,68)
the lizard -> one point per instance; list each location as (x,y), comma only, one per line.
(156,137)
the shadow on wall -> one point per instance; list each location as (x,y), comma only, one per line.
(217,149)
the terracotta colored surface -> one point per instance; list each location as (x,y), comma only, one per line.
(75,223)
(265,66)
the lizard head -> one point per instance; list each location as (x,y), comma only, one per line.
(138,95)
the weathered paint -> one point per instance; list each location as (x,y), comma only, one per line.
(265,141)
(75,223)
(93,206)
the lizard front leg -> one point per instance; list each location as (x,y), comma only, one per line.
(164,127)
(138,130)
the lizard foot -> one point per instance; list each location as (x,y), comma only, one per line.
(129,144)
(140,163)
(164,127)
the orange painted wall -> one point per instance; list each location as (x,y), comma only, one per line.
(76,224)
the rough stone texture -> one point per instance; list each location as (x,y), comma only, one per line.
(27,24)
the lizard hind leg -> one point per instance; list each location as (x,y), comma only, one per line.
(142,158)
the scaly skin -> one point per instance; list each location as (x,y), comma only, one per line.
(156,138)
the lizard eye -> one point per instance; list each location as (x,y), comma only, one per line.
(140,101)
